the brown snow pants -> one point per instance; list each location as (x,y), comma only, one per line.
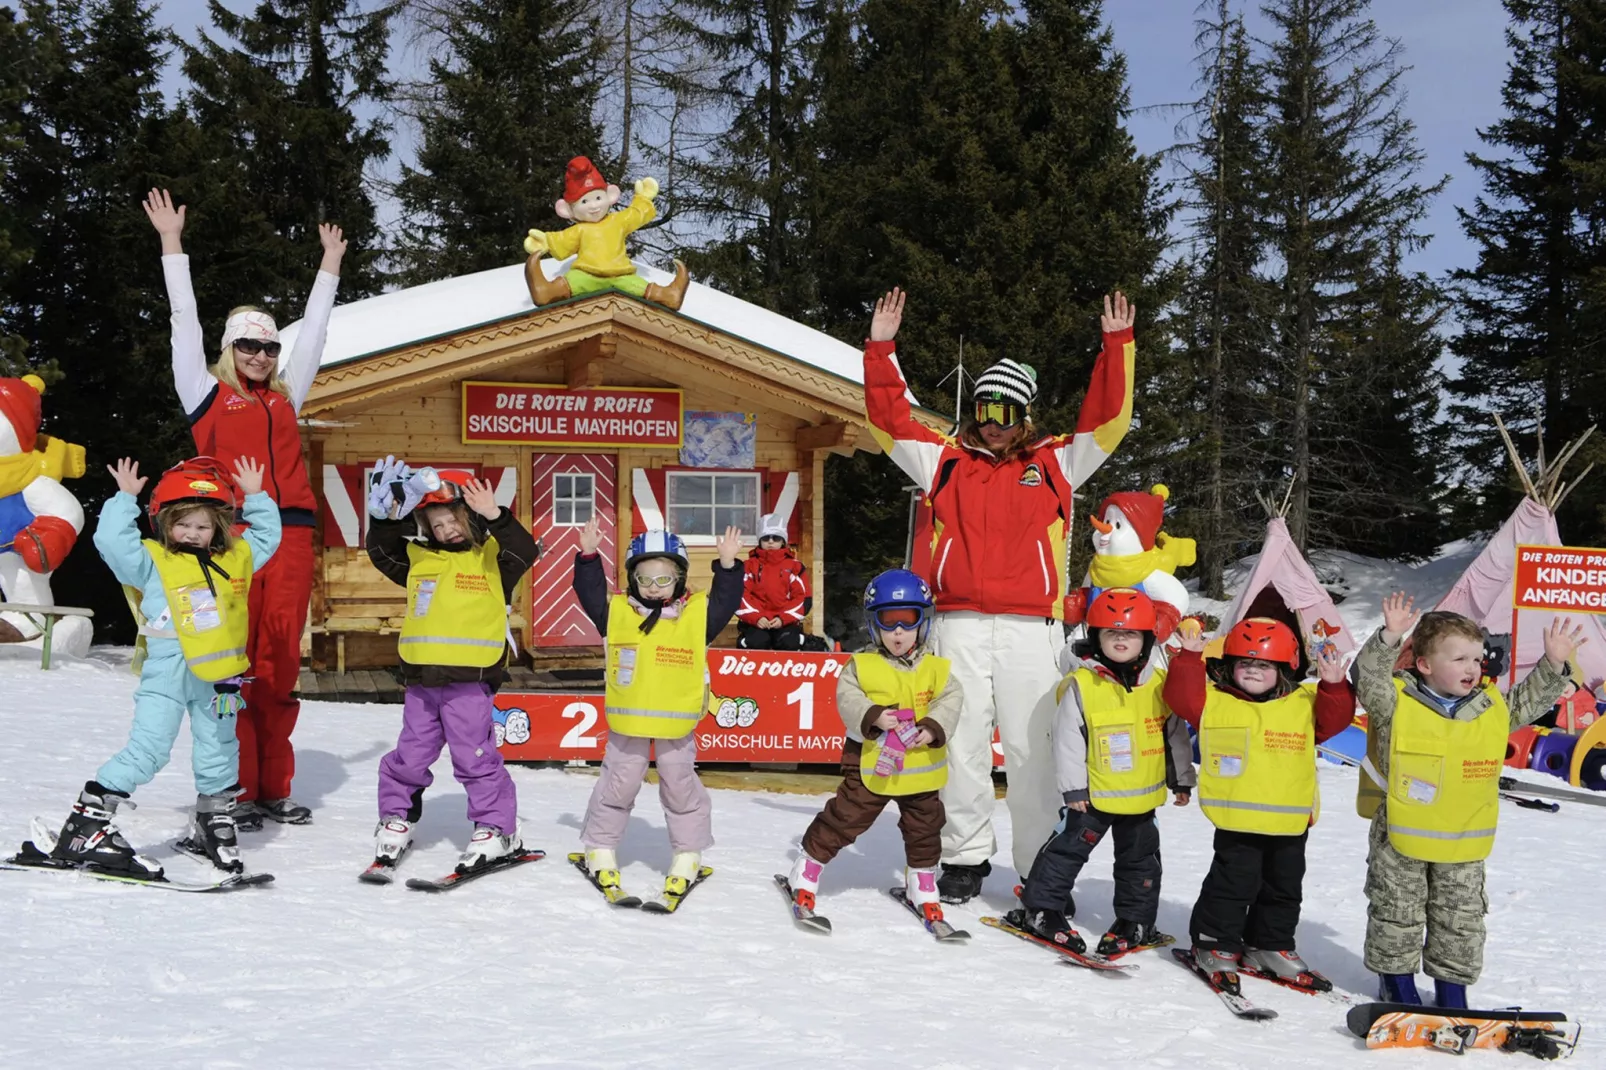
(855,807)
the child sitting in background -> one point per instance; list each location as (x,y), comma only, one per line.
(775,589)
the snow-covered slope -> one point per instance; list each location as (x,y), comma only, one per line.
(531,968)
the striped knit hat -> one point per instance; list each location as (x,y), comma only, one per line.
(1008,380)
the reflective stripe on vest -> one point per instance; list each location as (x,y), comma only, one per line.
(1257,762)
(211,622)
(885,684)
(456,611)
(1125,741)
(657,682)
(1444,779)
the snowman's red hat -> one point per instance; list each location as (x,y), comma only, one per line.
(1145,511)
(19,407)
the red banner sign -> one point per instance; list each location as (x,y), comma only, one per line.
(532,414)
(769,707)
(1565,579)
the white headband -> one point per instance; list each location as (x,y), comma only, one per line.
(258,325)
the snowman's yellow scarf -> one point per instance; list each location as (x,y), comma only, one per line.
(51,457)
(1129,570)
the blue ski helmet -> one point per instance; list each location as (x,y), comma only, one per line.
(650,544)
(898,588)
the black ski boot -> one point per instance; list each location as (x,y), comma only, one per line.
(247,817)
(960,883)
(284,811)
(91,837)
(212,833)
(1127,936)
(1054,927)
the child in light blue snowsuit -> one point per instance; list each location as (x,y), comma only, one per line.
(195,495)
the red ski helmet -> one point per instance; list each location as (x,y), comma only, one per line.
(1263,639)
(199,479)
(1123,608)
(453,480)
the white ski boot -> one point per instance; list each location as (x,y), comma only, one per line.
(392,837)
(488,844)
(805,881)
(920,885)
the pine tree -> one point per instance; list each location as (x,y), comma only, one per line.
(513,98)
(15,79)
(285,150)
(1533,311)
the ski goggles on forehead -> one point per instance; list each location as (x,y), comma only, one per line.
(907,618)
(1002,413)
(253,346)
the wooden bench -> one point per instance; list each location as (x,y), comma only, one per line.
(364,617)
(51,614)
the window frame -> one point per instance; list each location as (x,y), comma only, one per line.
(591,479)
(757,476)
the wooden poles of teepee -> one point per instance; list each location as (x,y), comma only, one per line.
(1547,487)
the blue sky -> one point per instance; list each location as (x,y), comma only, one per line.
(1456,50)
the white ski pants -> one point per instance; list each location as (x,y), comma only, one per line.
(1008,668)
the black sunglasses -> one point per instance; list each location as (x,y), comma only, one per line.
(252,346)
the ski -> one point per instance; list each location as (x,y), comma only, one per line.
(804,918)
(1582,795)
(383,870)
(668,904)
(615,896)
(51,865)
(944,932)
(1531,804)
(1310,989)
(1542,1034)
(456,879)
(1235,1003)
(1075,958)
(1165,941)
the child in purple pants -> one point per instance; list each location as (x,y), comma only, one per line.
(453,648)
(657,638)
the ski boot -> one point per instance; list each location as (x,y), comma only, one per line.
(1222,966)
(284,811)
(247,817)
(212,833)
(805,881)
(961,883)
(488,844)
(1053,927)
(1125,936)
(1398,988)
(90,836)
(920,885)
(392,837)
(1449,995)
(1287,967)
(683,870)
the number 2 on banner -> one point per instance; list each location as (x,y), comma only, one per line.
(804,697)
(576,736)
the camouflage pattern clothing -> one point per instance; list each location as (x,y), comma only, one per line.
(1404,895)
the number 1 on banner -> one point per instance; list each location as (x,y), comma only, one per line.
(804,697)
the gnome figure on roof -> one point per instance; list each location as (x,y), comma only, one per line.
(597,241)
(1130,550)
(39,518)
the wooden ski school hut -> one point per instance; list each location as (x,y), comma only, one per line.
(605,404)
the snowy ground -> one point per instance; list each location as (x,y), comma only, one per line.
(531,968)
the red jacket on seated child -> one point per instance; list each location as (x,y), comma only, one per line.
(774,582)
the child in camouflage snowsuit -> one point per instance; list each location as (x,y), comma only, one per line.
(1425,862)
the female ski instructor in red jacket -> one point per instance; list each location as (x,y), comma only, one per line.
(1001,502)
(245,405)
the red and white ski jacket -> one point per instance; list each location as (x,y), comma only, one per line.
(774,584)
(1001,526)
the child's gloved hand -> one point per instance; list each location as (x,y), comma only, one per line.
(381,483)
(226,698)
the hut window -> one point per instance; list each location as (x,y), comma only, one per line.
(574,498)
(705,503)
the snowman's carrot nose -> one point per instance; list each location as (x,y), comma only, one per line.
(1102,527)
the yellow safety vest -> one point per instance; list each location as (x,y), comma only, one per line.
(1444,780)
(1125,741)
(884,684)
(212,621)
(657,682)
(1257,762)
(456,609)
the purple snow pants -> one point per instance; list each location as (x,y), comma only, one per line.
(456,716)
(688,811)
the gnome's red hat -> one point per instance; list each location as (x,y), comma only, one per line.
(580,178)
(1146,511)
(19,406)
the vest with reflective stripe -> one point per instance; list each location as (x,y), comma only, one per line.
(1257,762)
(1125,742)
(1444,780)
(456,610)
(212,622)
(657,682)
(924,768)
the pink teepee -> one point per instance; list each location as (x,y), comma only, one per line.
(1283,586)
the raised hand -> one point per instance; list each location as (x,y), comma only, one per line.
(1399,616)
(1562,640)
(168,220)
(1330,665)
(248,474)
(647,187)
(1190,634)
(333,241)
(1119,314)
(381,499)
(478,496)
(129,481)
(728,545)
(888,316)
(590,536)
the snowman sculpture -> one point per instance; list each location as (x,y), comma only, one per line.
(1130,550)
(39,518)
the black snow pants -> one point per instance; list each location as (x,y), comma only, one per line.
(1060,861)
(1251,895)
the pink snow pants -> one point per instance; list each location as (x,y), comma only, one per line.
(688,811)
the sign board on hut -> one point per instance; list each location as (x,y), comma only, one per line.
(540,414)
(1563,579)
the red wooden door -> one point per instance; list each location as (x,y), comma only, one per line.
(567,489)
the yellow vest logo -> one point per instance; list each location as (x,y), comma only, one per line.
(675,656)
(471,583)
